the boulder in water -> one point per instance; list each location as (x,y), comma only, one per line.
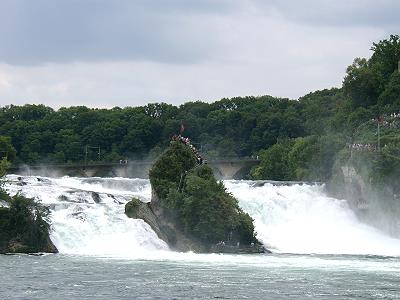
(132,208)
(63,198)
(96,197)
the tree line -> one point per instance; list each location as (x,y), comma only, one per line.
(295,139)
(237,127)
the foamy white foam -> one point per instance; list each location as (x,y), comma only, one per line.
(88,219)
(88,214)
(303,219)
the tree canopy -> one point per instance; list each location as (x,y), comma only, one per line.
(312,129)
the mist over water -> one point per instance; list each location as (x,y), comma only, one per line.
(88,219)
(303,219)
(88,214)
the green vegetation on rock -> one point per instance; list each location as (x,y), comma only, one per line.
(169,170)
(132,208)
(200,205)
(24,226)
(24,223)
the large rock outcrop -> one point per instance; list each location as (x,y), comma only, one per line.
(373,195)
(23,228)
(191,210)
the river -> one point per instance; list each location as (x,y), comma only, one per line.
(321,249)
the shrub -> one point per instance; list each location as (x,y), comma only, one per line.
(26,221)
(132,207)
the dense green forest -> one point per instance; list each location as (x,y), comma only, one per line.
(295,139)
(235,127)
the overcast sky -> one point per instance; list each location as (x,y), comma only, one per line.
(105,53)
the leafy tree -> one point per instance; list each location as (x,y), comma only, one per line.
(390,97)
(386,56)
(4,165)
(361,83)
(367,79)
(274,163)
(168,171)
(7,150)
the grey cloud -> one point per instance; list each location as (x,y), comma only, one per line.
(41,31)
(382,14)
(34,32)
(129,52)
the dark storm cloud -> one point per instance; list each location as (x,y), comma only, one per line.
(40,31)
(383,14)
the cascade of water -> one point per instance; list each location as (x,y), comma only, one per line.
(303,219)
(88,214)
(88,217)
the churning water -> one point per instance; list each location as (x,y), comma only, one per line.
(321,250)
(88,217)
(303,219)
(88,214)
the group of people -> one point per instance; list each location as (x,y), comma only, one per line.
(363,147)
(393,115)
(186,142)
(389,120)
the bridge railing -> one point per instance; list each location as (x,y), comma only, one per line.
(130,162)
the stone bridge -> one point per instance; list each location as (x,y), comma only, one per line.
(223,169)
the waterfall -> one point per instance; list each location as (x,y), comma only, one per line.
(88,213)
(88,217)
(303,219)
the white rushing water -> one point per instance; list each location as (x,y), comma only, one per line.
(303,219)
(88,214)
(88,218)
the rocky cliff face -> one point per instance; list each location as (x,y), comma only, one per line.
(350,185)
(357,187)
(377,205)
(162,224)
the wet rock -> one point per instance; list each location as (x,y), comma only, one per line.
(79,215)
(96,197)
(137,209)
(63,198)
(16,245)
